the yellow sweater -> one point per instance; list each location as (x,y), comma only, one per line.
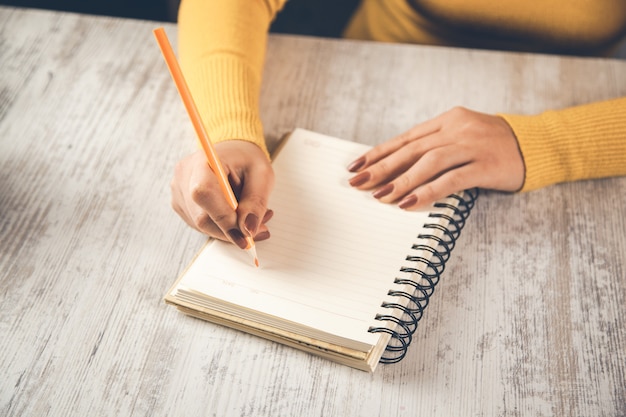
(222,48)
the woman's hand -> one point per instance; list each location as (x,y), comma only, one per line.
(198,199)
(457,150)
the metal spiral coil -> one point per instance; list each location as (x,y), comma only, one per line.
(423,276)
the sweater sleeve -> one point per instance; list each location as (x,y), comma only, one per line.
(576,143)
(222,51)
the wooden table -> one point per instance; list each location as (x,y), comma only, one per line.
(529,319)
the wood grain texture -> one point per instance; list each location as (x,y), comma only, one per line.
(527,320)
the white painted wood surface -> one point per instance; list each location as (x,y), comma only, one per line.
(528,319)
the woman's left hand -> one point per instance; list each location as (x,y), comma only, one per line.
(457,150)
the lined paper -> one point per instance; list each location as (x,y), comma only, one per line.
(332,257)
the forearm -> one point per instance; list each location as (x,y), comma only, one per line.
(582,142)
(222,50)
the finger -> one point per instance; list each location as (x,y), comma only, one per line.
(263,234)
(201,220)
(177,201)
(255,193)
(186,208)
(268,216)
(453,181)
(384,149)
(431,165)
(182,213)
(208,207)
(394,164)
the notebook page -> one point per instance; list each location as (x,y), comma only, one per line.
(333,254)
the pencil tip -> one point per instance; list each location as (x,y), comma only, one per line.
(252,251)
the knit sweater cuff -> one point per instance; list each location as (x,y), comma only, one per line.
(226,92)
(581,142)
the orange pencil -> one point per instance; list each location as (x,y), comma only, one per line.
(192,110)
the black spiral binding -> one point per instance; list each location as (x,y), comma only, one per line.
(428,271)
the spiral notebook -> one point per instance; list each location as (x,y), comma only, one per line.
(343,276)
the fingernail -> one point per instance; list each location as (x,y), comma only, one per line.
(408,201)
(238,238)
(360,179)
(383,191)
(264,235)
(268,215)
(251,223)
(357,164)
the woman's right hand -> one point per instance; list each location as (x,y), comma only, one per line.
(198,199)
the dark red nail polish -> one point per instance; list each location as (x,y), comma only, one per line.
(264,235)
(268,215)
(238,238)
(360,179)
(357,164)
(251,223)
(408,201)
(383,191)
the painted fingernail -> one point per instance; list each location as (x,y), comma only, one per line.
(268,215)
(251,223)
(238,238)
(264,235)
(360,179)
(408,201)
(383,191)
(357,164)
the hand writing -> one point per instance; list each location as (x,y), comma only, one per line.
(197,198)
